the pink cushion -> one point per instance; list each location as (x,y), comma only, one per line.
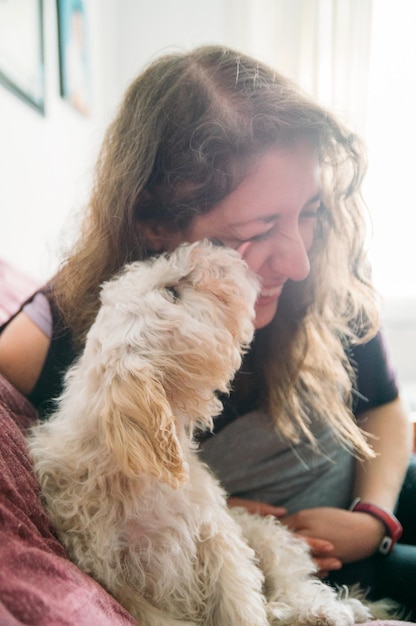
(38,584)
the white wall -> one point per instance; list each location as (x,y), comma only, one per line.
(147,29)
(391,137)
(46,162)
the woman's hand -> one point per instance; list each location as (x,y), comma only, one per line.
(322,551)
(353,535)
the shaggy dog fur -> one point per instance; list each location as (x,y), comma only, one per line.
(119,472)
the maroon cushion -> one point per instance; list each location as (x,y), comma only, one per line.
(38,584)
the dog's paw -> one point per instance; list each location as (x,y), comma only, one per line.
(366,611)
(360,611)
(281,614)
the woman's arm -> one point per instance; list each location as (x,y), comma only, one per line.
(379,480)
(23,350)
(357,535)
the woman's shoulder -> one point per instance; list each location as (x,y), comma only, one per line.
(60,355)
(36,349)
(23,349)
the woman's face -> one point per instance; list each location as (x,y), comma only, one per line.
(270,219)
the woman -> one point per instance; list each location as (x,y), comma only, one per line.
(213,144)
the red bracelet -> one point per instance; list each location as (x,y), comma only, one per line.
(392,525)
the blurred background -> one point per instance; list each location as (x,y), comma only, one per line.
(64,65)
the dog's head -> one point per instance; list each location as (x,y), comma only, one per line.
(177,326)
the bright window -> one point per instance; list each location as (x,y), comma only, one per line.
(391,138)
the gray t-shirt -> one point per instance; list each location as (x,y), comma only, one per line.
(253,461)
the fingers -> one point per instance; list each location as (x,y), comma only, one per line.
(327,565)
(322,552)
(318,546)
(257,507)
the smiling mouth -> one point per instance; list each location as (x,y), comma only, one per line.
(271,292)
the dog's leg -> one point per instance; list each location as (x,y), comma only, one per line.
(295,596)
(233,582)
(225,566)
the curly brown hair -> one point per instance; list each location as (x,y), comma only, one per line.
(187,130)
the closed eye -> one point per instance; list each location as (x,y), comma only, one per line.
(312,212)
(238,241)
(261,236)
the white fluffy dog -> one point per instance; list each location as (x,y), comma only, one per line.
(119,472)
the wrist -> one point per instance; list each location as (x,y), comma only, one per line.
(392,527)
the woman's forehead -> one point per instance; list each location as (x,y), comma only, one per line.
(278,180)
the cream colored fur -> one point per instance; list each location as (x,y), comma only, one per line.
(120,475)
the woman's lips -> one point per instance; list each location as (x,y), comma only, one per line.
(270,293)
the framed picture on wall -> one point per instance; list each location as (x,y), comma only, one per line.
(22,50)
(73,54)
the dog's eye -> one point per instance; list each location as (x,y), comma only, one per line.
(217,242)
(173,293)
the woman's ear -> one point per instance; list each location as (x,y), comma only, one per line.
(153,236)
(158,237)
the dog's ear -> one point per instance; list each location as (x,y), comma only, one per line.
(140,428)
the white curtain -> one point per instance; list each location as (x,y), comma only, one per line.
(322,44)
